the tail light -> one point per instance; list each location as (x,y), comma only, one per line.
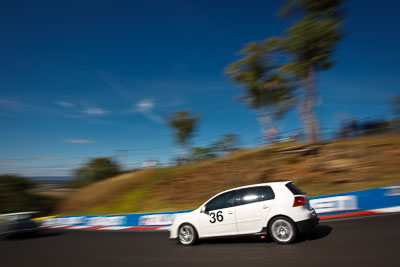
(299,201)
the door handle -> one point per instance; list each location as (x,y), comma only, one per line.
(265,207)
(230,212)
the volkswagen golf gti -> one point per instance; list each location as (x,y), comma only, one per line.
(278,209)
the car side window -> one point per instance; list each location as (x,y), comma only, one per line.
(222,201)
(249,195)
(268,193)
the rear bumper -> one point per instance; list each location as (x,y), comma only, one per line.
(306,225)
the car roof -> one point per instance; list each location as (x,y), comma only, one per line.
(261,184)
(249,186)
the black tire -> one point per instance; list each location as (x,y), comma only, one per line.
(282,230)
(187,234)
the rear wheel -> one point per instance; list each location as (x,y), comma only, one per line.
(282,230)
(187,234)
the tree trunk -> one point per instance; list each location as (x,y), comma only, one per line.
(265,123)
(307,105)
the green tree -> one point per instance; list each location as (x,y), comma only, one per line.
(14,193)
(201,153)
(95,170)
(226,144)
(318,8)
(309,44)
(184,124)
(267,89)
(16,196)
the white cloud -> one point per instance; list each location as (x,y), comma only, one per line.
(79,141)
(64,104)
(95,111)
(146,107)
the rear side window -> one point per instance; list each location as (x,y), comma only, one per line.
(268,193)
(254,194)
(294,189)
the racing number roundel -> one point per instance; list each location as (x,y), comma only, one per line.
(216,217)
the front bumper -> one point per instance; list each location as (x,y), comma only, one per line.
(173,231)
(306,225)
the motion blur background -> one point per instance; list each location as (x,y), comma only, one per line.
(130,106)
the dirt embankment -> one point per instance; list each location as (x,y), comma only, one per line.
(344,165)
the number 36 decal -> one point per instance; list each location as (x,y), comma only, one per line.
(217,217)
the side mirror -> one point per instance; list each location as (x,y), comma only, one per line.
(203,210)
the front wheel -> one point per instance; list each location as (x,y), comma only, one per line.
(187,235)
(282,230)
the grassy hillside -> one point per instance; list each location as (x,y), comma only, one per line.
(343,165)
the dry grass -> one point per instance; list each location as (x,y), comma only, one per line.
(345,165)
(103,192)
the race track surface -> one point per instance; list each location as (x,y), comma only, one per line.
(366,241)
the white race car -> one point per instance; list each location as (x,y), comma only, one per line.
(277,209)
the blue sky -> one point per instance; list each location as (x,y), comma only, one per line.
(81,79)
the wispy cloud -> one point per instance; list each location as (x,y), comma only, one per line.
(130,163)
(29,159)
(95,111)
(82,112)
(8,104)
(120,89)
(57,166)
(46,158)
(64,104)
(146,107)
(15,106)
(8,160)
(79,141)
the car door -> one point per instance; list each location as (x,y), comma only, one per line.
(218,216)
(252,208)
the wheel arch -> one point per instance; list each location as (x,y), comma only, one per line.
(189,223)
(195,235)
(279,215)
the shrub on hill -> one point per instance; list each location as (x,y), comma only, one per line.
(16,196)
(95,170)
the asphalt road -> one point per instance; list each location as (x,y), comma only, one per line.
(366,241)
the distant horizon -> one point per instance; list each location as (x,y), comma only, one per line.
(51,177)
